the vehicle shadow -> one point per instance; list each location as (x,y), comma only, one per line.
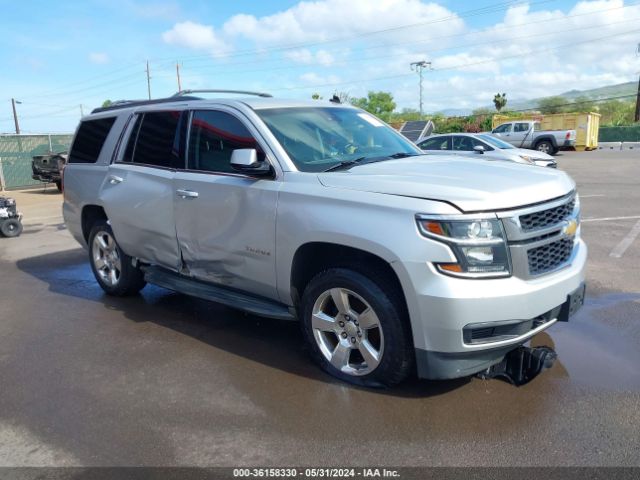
(50,189)
(275,343)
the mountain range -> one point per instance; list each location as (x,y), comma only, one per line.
(621,89)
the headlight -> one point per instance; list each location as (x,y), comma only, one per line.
(478,245)
(526,158)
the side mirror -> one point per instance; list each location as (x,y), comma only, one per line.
(478,149)
(245,160)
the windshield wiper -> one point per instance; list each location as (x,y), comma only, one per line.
(402,155)
(345,164)
(350,163)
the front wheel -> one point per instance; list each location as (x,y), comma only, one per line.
(357,328)
(11,227)
(112,268)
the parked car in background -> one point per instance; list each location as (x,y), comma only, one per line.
(48,168)
(528,134)
(484,147)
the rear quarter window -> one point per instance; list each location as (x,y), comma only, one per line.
(90,139)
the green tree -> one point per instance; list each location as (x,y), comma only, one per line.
(616,112)
(316,96)
(380,103)
(107,103)
(583,104)
(554,104)
(500,101)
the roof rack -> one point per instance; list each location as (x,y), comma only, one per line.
(182,93)
(137,103)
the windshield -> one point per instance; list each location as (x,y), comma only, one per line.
(317,138)
(496,142)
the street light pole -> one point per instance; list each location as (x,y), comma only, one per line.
(418,67)
(15,115)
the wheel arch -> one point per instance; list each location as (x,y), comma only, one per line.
(550,138)
(313,257)
(90,215)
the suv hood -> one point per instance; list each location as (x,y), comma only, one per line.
(468,184)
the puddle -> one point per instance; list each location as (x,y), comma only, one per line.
(599,346)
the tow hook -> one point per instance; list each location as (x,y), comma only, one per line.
(521,365)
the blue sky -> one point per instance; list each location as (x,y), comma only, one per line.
(59,56)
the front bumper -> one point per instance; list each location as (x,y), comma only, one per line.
(447,305)
(447,365)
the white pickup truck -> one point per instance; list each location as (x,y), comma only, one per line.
(527,134)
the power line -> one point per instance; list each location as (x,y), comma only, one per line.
(466,14)
(382,57)
(594,100)
(441,37)
(119,80)
(463,65)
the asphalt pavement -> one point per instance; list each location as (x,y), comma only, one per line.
(162,379)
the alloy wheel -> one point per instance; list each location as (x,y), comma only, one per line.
(106,258)
(347,331)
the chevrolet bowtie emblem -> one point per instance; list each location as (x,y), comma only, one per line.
(570,228)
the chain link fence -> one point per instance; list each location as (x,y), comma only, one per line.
(619,134)
(16,155)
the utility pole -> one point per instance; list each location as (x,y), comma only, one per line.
(418,67)
(81,111)
(148,81)
(15,115)
(636,118)
(178,75)
(637,115)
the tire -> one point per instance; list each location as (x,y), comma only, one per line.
(113,269)
(11,227)
(545,146)
(385,353)
(59,185)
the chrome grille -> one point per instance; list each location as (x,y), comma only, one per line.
(544,218)
(549,257)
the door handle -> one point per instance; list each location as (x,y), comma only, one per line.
(114,179)
(186,193)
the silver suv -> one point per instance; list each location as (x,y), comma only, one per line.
(319,212)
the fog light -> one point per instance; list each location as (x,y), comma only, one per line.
(478,255)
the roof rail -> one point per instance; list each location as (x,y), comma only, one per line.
(118,104)
(182,93)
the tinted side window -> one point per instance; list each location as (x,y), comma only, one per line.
(463,143)
(214,136)
(128,153)
(154,140)
(436,143)
(90,139)
(506,128)
(521,127)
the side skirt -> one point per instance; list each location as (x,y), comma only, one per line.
(253,304)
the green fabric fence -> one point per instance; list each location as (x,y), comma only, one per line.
(619,134)
(16,154)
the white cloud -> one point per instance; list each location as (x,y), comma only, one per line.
(525,52)
(196,36)
(306,56)
(313,79)
(324,19)
(99,58)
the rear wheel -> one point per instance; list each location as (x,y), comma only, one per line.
(356,327)
(112,268)
(59,185)
(545,146)
(11,227)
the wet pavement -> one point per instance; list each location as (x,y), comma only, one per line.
(164,379)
